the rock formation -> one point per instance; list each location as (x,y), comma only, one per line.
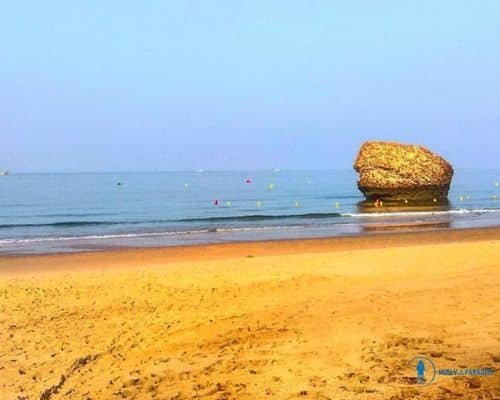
(392,171)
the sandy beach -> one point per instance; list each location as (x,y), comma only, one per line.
(321,319)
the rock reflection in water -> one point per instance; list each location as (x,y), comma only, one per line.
(397,216)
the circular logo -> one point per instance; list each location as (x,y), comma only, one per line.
(425,370)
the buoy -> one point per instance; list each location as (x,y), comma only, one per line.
(435,200)
(337,204)
(467,197)
(186,185)
(406,201)
(497,184)
(381,203)
(248,181)
(228,204)
(216,202)
(461,198)
(118,183)
(270,186)
(297,203)
(258,203)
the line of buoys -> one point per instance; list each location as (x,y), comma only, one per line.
(377,203)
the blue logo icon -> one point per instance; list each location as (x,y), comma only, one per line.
(425,370)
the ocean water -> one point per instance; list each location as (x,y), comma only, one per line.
(86,211)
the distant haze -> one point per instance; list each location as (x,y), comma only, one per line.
(164,85)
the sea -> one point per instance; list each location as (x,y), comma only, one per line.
(70,212)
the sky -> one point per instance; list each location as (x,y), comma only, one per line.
(180,85)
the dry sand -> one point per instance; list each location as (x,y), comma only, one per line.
(318,319)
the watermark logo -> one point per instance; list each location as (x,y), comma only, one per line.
(425,370)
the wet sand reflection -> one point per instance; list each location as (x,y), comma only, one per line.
(397,216)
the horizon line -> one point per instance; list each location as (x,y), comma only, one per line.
(203,170)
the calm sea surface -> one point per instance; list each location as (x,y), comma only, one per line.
(74,212)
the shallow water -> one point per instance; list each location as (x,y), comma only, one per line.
(72,212)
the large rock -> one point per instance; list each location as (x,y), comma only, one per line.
(398,172)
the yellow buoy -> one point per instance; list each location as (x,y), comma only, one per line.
(406,201)
(297,203)
(435,200)
(337,204)
(270,186)
(258,203)
(461,198)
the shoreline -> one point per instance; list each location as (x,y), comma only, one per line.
(114,257)
(369,223)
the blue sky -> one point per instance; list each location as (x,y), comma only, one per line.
(161,85)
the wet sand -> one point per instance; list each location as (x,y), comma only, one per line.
(322,319)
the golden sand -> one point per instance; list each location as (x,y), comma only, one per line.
(318,319)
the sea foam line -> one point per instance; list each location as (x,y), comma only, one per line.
(243,229)
(420,213)
(145,234)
